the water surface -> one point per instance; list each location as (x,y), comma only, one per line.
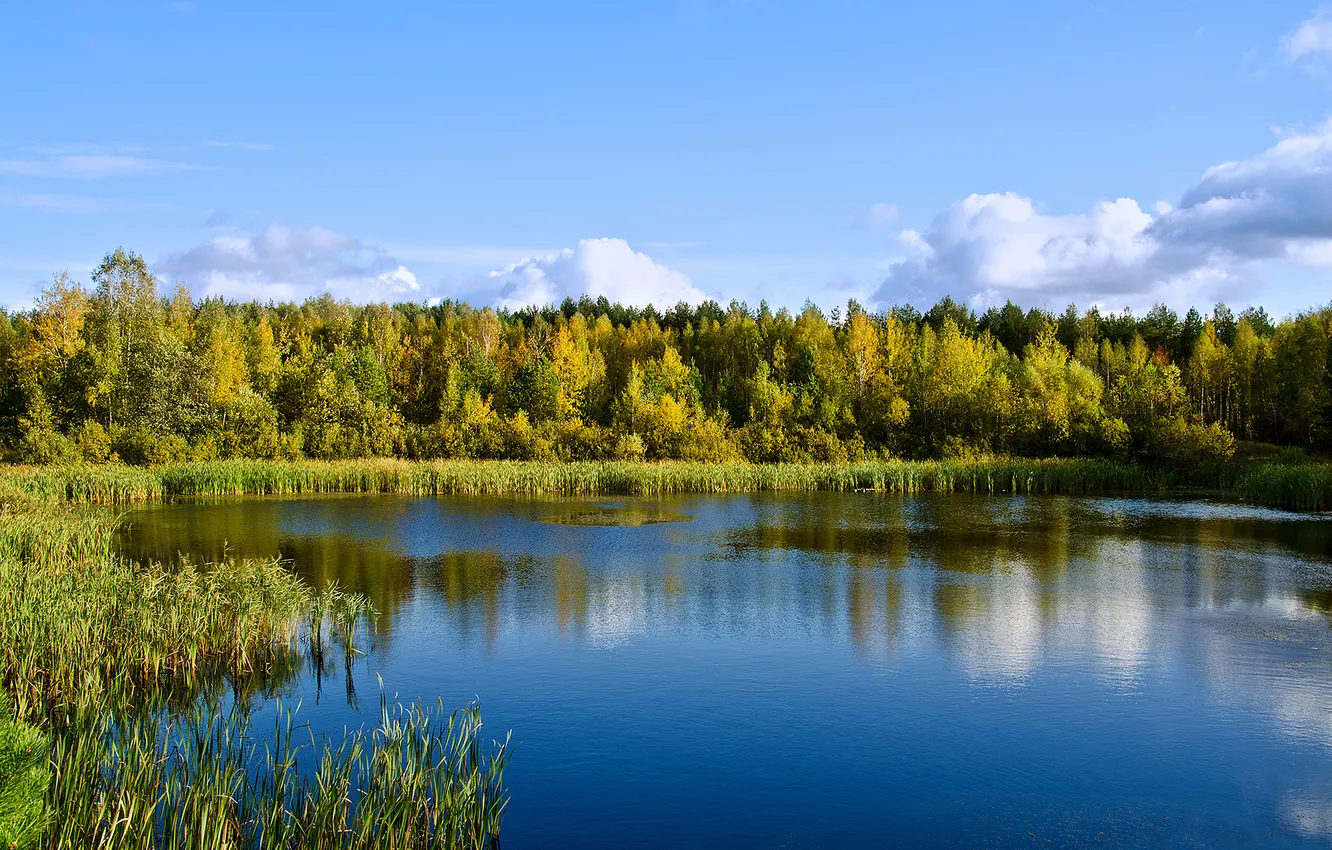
(841,670)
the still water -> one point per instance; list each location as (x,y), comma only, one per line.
(841,670)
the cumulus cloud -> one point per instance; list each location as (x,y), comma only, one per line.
(289,263)
(594,267)
(1312,38)
(1258,207)
(1276,206)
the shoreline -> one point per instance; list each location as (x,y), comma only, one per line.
(1303,487)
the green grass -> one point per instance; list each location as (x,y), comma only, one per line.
(118,484)
(1303,485)
(139,679)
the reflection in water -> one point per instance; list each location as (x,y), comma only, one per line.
(1147,622)
(626,516)
(1006,578)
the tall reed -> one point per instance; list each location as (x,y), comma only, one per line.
(141,678)
(1296,486)
(1304,487)
(420,778)
(113,485)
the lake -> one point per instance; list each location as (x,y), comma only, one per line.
(840,670)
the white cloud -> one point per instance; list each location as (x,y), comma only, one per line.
(1314,37)
(880,215)
(90,166)
(1255,207)
(289,263)
(1273,208)
(594,267)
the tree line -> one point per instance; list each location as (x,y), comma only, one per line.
(116,371)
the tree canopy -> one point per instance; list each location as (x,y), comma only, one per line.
(121,371)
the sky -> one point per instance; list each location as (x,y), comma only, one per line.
(1117,154)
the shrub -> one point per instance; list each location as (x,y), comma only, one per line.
(1115,436)
(523,442)
(1186,445)
(140,446)
(763,444)
(92,442)
(574,441)
(629,447)
(46,445)
(707,440)
(249,427)
(959,448)
(819,446)
(435,441)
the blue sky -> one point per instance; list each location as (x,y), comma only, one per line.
(514,152)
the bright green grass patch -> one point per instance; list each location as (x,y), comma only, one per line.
(25,774)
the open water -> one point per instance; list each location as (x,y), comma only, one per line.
(840,670)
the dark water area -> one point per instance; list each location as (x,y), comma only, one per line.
(840,670)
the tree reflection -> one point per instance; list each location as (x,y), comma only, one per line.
(998,581)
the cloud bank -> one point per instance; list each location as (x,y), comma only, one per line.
(293,263)
(1276,206)
(594,267)
(289,263)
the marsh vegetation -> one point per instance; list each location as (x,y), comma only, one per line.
(125,719)
(1295,486)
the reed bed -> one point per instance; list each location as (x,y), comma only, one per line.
(94,627)
(421,778)
(1302,486)
(52,535)
(86,483)
(1296,487)
(138,681)
(115,485)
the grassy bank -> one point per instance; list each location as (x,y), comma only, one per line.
(1295,487)
(121,484)
(1305,486)
(133,684)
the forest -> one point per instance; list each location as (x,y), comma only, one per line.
(113,371)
